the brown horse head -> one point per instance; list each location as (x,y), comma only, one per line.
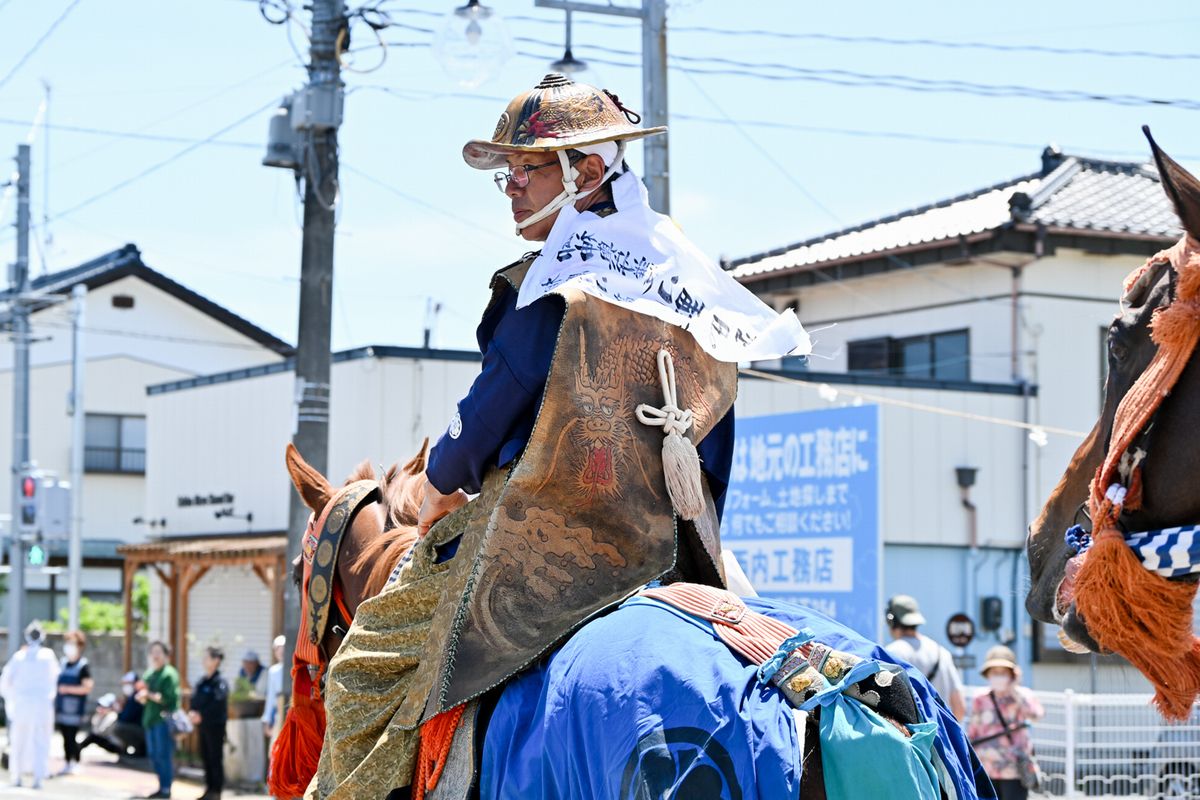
(1172,444)
(378,534)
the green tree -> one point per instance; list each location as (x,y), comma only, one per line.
(108,617)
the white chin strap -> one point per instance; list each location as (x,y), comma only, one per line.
(570,194)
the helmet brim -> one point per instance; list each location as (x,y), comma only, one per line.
(485,154)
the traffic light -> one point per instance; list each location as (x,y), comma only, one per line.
(44,506)
(28,512)
(37,556)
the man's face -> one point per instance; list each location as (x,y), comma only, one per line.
(544,185)
(248,667)
(209,663)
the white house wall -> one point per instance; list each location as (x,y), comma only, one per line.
(114,385)
(227,438)
(230,437)
(229,607)
(160,328)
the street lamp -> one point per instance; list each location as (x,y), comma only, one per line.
(472,44)
(568,64)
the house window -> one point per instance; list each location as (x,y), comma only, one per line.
(870,356)
(942,356)
(114,443)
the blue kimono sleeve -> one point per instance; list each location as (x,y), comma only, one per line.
(494,420)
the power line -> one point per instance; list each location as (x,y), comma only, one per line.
(170,159)
(155,336)
(844,39)
(424,204)
(812,198)
(36,45)
(941,43)
(426,95)
(824,388)
(716,65)
(117,134)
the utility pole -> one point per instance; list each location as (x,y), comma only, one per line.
(317,110)
(654,103)
(19,280)
(75,408)
(653,15)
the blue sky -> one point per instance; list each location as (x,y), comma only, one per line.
(803,158)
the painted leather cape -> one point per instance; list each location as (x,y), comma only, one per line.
(583,518)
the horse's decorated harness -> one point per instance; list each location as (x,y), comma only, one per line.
(320,553)
(294,754)
(1119,579)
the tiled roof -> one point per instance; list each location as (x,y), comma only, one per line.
(1082,195)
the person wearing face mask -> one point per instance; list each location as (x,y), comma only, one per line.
(1000,719)
(28,685)
(70,706)
(124,737)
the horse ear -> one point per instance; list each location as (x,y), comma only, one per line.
(1180,185)
(310,484)
(417,464)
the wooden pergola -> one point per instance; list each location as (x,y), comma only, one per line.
(181,563)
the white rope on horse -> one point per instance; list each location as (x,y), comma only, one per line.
(681,463)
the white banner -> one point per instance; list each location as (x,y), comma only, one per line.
(639,259)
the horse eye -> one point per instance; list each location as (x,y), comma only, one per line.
(1117,349)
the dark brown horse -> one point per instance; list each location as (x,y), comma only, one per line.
(1172,444)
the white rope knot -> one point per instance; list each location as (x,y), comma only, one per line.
(671,418)
(681,463)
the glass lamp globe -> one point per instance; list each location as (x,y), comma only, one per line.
(472,44)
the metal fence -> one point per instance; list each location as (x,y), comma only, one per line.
(1114,745)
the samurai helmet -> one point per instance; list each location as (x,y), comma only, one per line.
(555,116)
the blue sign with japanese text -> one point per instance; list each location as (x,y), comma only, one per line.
(802,511)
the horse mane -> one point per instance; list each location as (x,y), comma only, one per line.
(402,491)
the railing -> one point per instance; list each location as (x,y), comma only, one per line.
(1114,745)
(114,459)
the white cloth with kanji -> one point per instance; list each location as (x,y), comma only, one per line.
(639,259)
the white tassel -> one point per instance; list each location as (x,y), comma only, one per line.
(681,463)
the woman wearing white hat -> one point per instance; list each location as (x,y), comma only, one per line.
(999,726)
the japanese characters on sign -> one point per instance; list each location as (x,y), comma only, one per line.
(802,511)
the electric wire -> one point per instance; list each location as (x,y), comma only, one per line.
(134,135)
(38,44)
(825,389)
(160,164)
(770,71)
(153,336)
(425,95)
(940,43)
(764,152)
(847,39)
(369,178)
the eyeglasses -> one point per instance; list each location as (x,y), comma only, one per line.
(518,175)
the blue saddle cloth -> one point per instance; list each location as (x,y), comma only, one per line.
(647,702)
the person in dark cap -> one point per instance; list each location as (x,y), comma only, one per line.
(209,713)
(935,662)
(252,671)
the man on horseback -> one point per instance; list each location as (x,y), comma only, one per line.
(606,355)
